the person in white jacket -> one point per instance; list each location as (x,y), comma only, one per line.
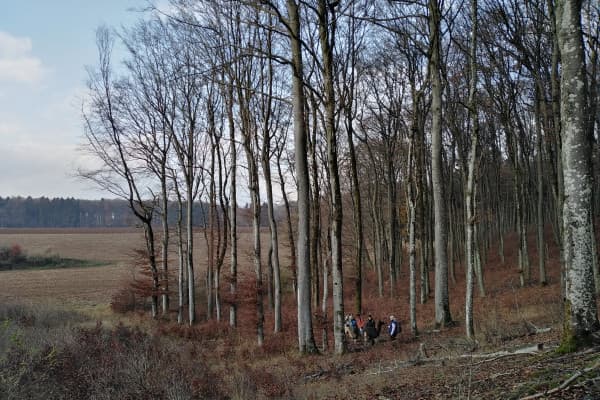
(393,327)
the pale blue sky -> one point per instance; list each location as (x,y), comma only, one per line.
(45,46)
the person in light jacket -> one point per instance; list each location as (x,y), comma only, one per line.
(393,327)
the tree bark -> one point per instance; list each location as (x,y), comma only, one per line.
(327,41)
(470,201)
(442,300)
(581,315)
(306,341)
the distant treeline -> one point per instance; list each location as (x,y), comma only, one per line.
(28,212)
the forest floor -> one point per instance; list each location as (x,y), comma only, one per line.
(448,367)
(512,356)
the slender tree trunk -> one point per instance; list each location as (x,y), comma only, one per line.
(451,240)
(180,256)
(274,254)
(260,316)
(149,236)
(164,250)
(222,228)
(232,210)
(392,223)
(315,212)
(355,185)
(266,166)
(421,215)
(470,200)
(288,218)
(558,190)
(253,186)
(190,250)
(411,233)
(523,231)
(306,341)
(478,258)
(378,239)
(327,40)
(210,236)
(324,304)
(442,299)
(540,190)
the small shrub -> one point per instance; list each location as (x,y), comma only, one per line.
(14,257)
(11,256)
(268,383)
(124,301)
(242,385)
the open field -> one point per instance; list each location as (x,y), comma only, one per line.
(88,286)
(112,245)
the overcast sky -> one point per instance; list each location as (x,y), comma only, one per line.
(45,46)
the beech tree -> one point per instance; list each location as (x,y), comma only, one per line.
(581,314)
(470,195)
(442,301)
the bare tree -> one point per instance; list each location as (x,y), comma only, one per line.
(469,192)
(187,140)
(306,340)
(327,31)
(109,139)
(442,301)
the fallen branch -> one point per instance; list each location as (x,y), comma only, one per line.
(421,358)
(489,357)
(564,385)
(534,330)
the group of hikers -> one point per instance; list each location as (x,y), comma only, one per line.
(356,327)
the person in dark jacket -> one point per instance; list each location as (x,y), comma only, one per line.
(372,330)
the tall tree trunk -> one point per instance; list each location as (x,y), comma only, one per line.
(222,228)
(274,254)
(180,256)
(540,189)
(558,190)
(164,249)
(378,246)
(255,200)
(232,210)
(410,195)
(209,233)
(315,211)
(249,135)
(288,218)
(392,222)
(190,248)
(442,300)
(421,215)
(581,314)
(149,236)
(327,41)
(349,115)
(266,166)
(306,341)
(471,179)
